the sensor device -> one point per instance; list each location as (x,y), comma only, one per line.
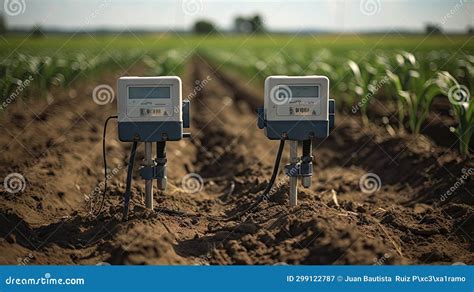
(150,109)
(296,107)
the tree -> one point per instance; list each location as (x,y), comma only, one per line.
(204,27)
(432,29)
(253,24)
(37,31)
(257,24)
(3,25)
(242,25)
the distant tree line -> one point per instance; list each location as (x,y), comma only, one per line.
(434,29)
(36,30)
(431,28)
(245,25)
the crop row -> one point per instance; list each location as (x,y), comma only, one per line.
(23,75)
(358,78)
(410,82)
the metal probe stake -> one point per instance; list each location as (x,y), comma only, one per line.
(293,179)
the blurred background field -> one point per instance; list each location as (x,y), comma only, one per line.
(336,43)
(56,60)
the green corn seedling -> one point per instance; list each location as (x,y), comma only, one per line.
(363,86)
(418,94)
(401,69)
(464,114)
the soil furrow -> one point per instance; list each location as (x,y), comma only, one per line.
(402,222)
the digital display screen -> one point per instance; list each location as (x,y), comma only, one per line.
(149,92)
(299,91)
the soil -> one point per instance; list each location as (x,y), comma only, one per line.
(57,147)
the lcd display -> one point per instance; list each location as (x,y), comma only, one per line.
(149,92)
(304,91)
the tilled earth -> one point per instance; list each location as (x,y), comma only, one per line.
(421,214)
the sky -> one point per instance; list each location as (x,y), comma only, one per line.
(332,15)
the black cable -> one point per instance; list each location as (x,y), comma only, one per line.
(307,157)
(129,181)
(104,156)
(161,149)
(269,187)
(160,158)
(306,148)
